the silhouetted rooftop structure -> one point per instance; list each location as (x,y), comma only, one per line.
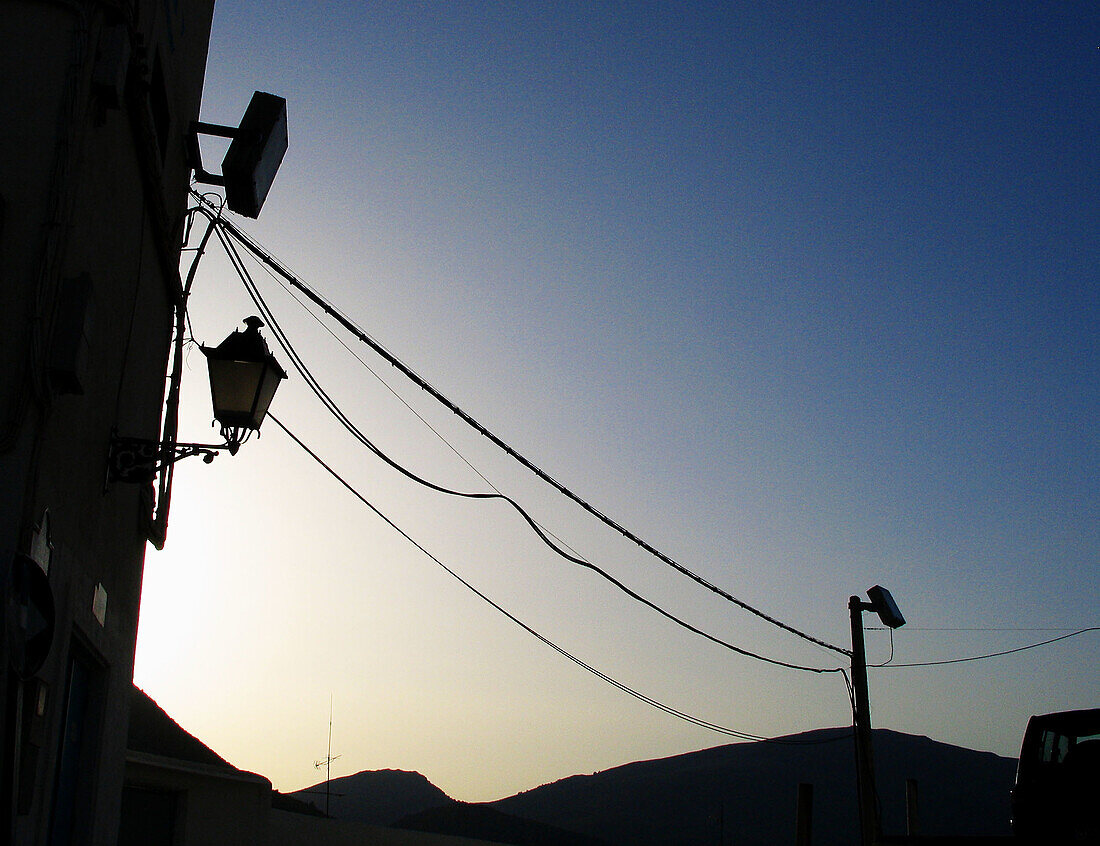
(154,732)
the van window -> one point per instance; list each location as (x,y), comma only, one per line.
(1054,747)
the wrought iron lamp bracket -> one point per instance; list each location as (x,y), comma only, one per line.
(140,460)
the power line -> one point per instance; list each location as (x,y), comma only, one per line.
(248,243)
(682,715)
(272,266)
(347,423)
(293,294)
(909,628)
(891,666)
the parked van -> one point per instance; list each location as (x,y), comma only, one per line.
(1057,794)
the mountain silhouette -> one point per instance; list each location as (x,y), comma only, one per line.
(483,822)
(746,793)
(743,793)
(378,797)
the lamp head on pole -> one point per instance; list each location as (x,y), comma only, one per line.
(243,378)
(883,604)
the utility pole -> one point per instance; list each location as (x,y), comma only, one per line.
(882,603)
(865,765)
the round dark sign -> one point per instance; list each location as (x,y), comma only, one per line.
(29,615)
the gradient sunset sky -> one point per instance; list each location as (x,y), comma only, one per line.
(804,294)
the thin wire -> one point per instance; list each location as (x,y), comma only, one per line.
(891,658)
(851,694)
(977,629)
(248,243)
(189,218)
(347,423)
(317,319)
(991,654)
(649,700)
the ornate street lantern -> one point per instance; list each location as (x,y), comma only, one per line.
(243,378)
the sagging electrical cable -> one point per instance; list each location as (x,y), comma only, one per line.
(296,296)
(889,665)
(250,244)
(333,408)
(649,700)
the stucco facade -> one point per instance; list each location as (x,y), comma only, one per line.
(93,187)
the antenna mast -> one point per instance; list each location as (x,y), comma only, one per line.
(326,762)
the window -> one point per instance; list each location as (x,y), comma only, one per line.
(77,752)
(148,816)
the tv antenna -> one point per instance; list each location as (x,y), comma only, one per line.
(326,762)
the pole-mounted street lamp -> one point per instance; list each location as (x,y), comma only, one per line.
(882,603)
(243,378)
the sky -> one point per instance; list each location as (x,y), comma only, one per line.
(802,294)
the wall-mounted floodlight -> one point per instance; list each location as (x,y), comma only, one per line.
(254,155)
(882,603)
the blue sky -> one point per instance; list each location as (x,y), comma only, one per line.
(803,294)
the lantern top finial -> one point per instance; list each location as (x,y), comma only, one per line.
(248,345)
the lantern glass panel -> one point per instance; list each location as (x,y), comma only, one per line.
(270,380)
(233,388)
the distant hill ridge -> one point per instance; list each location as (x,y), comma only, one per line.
(378,797)
(484,822)
(742,793)
(747,792)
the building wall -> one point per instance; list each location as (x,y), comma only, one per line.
(93,187)
(289,829)
(192,804)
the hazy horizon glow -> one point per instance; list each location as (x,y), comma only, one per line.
(805,297)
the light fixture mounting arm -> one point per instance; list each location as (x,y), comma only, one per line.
(141,459)
(194,152)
